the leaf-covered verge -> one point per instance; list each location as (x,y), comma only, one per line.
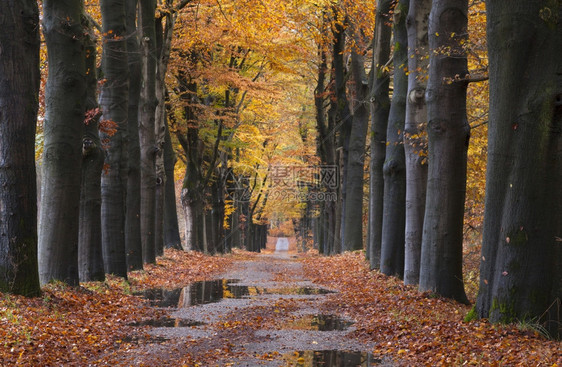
(419,329)
(72,326)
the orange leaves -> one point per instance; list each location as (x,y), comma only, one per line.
(416,329)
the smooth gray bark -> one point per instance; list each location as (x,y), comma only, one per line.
(448,135)
(19,93)
(147,137)
(90,254)
(521,267)
(380,107)
(63,130)
(115,106)
(133,242)
(353,222)
(394,170)
(415,143)
(171,227)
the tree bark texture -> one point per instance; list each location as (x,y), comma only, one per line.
(448,135)
(171,227)
(147,137)
(380,107)
(63,130)
(414,140)
(353,223)
(115,106)
(133,242)
(343,121)
(520,271)
(19,93)
(394,170)
(90,254)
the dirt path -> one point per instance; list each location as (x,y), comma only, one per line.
(261,312)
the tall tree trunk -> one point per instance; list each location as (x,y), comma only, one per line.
(380,107)
(520,271)
(448,134)
(353,223)
(326,150)
(343,120)
(147,114)
(115,106)
(171,227)
(19,77)
(63,129)
(133,241)
(90,254)
(394,170)
(414,140)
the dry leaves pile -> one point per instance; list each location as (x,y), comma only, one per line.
(73,326)
(415,328)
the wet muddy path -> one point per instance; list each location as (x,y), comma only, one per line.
(261,312)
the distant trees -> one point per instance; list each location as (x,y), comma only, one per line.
(19,92)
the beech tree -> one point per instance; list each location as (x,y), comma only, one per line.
(63,130)
(133,241)
(19,77)
(521,266)
(114,105)
(90,254)
(380,107)
(414,141)
(147,115)
(448,135)
(394,171)
(353,233)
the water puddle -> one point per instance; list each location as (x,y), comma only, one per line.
(330,358)
(168,322)
(319,323)
(211,291)
(195,294)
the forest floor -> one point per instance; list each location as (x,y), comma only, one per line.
(271,309)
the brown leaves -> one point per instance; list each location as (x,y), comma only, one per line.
(415,328)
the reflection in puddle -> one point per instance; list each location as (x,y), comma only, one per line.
(319,323)
(210,291)
(168,322)
(330,358)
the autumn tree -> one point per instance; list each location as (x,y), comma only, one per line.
(63,131)
(521,267)
(448,135)
(133,241)
(19,77)
(114,105)
(90,254)
(414,139)
(380,107)
(394,170)
(147,115)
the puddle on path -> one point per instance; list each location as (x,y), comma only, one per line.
(330,358)
(210,291)
(168,322)
(319,322)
